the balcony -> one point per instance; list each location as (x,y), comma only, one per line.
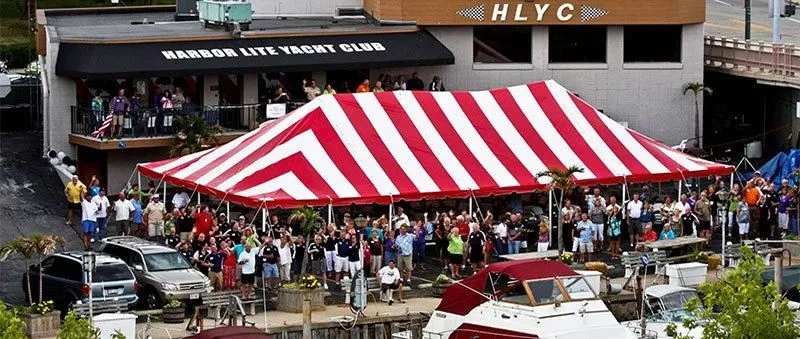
(148,128)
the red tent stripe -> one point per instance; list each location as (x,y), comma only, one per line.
(524,128)
(417,144)
(492,138)
(611,140)
(568,131)
(379,150)
(296,164)
(450,136)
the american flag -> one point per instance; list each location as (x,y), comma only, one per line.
(106,123)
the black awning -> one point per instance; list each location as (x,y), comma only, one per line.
(285,54)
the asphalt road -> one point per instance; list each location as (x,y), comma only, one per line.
(726,18)
(31,200)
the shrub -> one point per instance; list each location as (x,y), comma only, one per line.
(75,327)
(11,326)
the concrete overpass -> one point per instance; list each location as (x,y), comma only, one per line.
(727,51)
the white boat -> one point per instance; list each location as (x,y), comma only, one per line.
(523,299)
(665,304)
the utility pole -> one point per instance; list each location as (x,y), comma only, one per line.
(747,9)
(777,8)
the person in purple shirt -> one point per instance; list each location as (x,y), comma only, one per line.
(389,252)
(783,211)
(692,200)
(419,244)
(119,105)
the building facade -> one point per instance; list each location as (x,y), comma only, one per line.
(628,58)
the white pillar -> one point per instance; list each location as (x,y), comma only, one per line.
(330,214)
(550,215)
(263,220)
(228,211)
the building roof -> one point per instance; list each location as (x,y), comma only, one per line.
(109,25)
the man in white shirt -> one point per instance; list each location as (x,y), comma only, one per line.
(634,211)
(247,260)
(681,204)
(389,277)
(312,91)
(101,200)
(400,218)
(591,198)
(88,219)
(122,218)
(180,199)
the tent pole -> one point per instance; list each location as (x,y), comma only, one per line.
(624,189)
(264,219)
(198,198)
(391,212)
(228,211)
(470,205)
(139,179)
(680,189)
(330,211)
(550,214)
(165,191)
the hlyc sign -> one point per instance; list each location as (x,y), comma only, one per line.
(533,12)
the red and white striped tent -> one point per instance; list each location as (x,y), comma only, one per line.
(382,147)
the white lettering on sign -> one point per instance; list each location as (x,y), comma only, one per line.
(265,51)
(564,12)
(560,14)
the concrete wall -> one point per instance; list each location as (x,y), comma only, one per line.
(62,96)
(649,99)
(320,7)
(121,164)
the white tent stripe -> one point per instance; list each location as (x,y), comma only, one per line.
(395,143)
(681,159)
(473,140)
(539,121)
(181,161)
(307,144)
(585,129)
(508,133)
(352,141)
(443,153)
(623,134)
(288,182)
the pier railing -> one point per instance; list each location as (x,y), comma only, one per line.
(772,61)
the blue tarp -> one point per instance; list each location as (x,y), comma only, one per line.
(781,166)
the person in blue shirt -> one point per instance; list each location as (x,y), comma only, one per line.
(586,229)
(667,233)
(136,215)
(341,265)
(405,248)
(94,187)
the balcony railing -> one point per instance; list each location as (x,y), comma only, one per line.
(148,123)
(776,61)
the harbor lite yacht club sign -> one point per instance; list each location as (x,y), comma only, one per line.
(265,51)
(527,12)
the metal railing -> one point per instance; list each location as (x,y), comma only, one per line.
(773,60)
(148,122)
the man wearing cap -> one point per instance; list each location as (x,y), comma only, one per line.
(155,212)
(101,200)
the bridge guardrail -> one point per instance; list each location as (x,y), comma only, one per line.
(778,60)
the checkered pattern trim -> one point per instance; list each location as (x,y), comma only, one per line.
(474,13)
(591,13)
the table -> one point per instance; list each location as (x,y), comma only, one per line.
(531,255)
(672,243)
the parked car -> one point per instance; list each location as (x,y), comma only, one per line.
(162,272)
(65,282)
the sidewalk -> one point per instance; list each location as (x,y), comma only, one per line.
(277,322)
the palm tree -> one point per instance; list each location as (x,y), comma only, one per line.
(20,247)
(563,181)
(41,246)
(309,222)
(696,88)
(193,135)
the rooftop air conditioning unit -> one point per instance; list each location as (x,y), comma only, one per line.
(186,10)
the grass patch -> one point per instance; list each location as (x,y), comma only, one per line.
(15,8)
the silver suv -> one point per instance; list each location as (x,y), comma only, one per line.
(162,272)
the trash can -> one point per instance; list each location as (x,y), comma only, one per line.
(108,323)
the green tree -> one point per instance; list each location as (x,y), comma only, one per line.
(743,308)
(75,327)
(11,326)
(309,222)
(696,88)
(564,182)
(20,246)
(194,135)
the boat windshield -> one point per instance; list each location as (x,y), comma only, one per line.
(548,291)
(670,307)
(677,300)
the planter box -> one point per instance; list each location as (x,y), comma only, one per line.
(42,326)
(290,300)
(793,248)
(688,274)
(173,315)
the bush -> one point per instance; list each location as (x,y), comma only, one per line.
(11,326)
(17,54)
(75,327)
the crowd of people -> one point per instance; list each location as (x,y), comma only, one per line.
(383,83)
(233,252)
(143,121)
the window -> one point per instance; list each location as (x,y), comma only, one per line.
(112,272)
(577,44)
(166,261)
(117,252)
(577,288)
(545,291)
(501,44)
(652,44)
(64,269)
